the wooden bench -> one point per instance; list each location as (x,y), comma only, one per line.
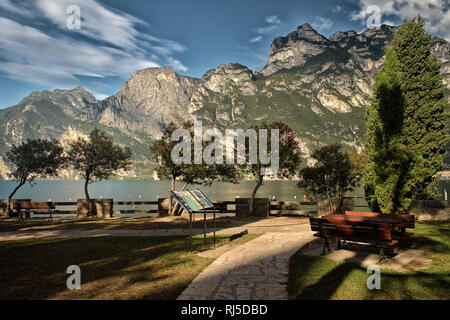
(35,207)
(4,205)
(342,229)
(406,221)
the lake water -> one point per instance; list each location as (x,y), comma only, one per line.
(152,190)
(145,190)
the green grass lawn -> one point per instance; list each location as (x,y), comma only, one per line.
(111,267)
(321,278)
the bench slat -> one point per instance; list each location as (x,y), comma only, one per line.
(348,230)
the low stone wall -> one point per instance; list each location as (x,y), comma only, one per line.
(323,208)
(101,208)
(430,210)
(261,207)
(104,208)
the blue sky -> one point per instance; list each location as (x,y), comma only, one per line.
(40,49)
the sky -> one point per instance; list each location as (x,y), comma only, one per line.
(99,44)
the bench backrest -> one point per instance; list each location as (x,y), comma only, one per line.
(4,203)
(408,219)
(356,230)
(35,205)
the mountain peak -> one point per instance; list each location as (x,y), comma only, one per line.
(306,32)
(305,26)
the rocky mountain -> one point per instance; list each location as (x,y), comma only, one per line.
(319,86)
(148,99)
(54,114)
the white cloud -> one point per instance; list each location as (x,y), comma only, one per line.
(98,22)
(256,39)
(322,24)
(435,12)
(36,57)
(15,8)
(338,8)
(176,65)
(272,25)
(107,44)
(273,19)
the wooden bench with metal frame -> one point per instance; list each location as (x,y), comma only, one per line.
(35,207)
(406,221)
(378,234)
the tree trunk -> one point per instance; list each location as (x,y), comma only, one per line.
(86,192)
(8,205)
(330,204)
(172,188)
(339,199)
(252,200)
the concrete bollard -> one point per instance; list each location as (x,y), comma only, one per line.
(104,208)
(83,208)
(101,208)
(164,206)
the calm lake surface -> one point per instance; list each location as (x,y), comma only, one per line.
(152,190)
(145,190)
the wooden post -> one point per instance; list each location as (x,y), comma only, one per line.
(190,231)
(204,226)
(214,218)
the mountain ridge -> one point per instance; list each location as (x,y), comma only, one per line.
(320,86)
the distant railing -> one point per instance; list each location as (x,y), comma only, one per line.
(229,206)
(135,203)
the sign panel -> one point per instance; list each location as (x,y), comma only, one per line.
(202,199)
(193,200)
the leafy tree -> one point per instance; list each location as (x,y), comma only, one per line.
(358,163)
(161,150)
(406,123)
(189,173)
(33,159)
(98,158)
(289,156)
(330,177)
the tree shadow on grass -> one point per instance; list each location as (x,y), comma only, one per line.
(320,278)
(110,267)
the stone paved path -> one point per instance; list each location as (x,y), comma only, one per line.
(256,270)
(278,224)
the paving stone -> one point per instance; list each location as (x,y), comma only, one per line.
(257,269)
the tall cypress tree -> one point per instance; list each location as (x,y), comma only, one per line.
(406,123)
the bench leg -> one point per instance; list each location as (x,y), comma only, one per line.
(325,245)
(20,216)
(381,254)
